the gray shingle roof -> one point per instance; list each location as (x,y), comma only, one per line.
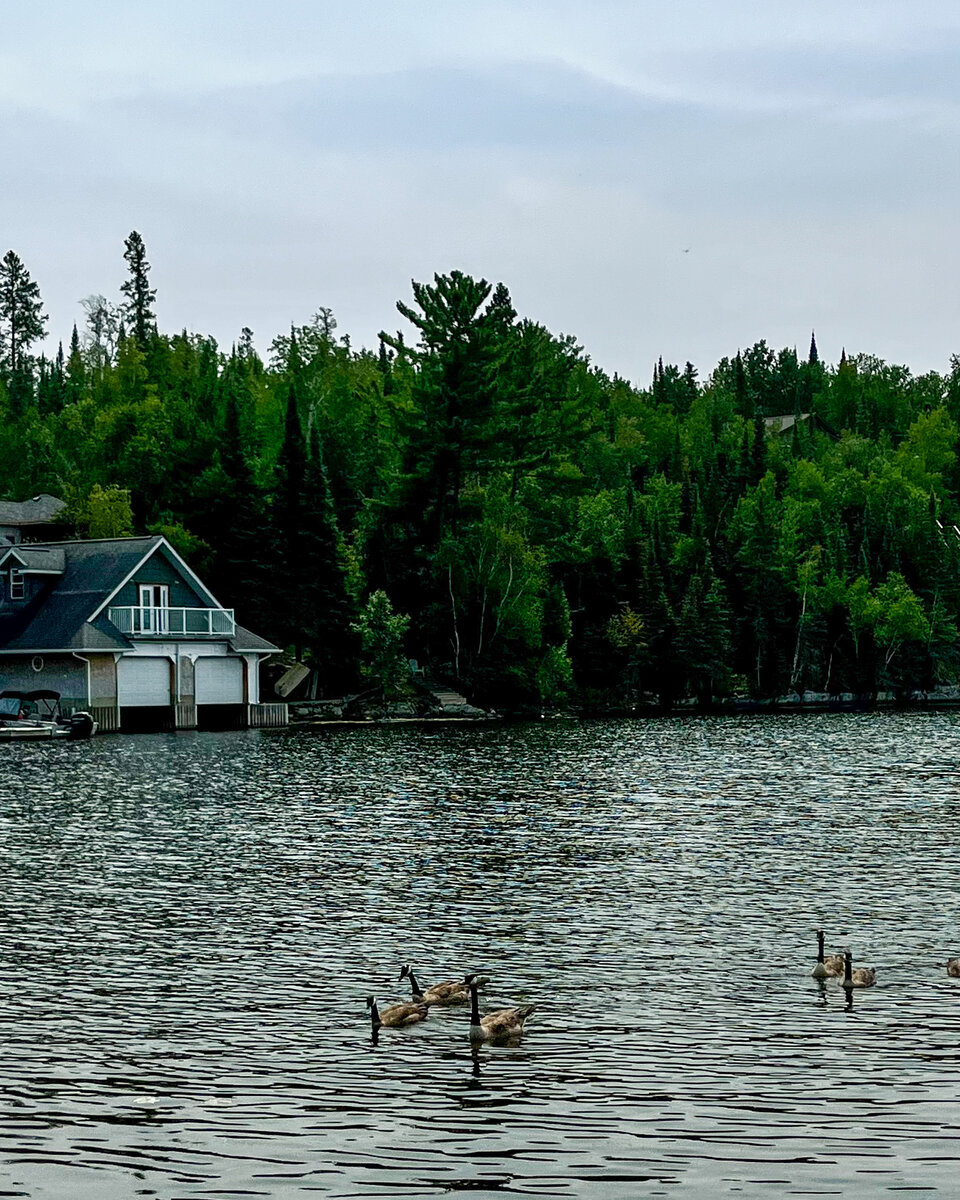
(40,510)
(37,558)
(243,640)
(59,619)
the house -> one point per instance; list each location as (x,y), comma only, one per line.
(786,422)
(124,628)
(32,520)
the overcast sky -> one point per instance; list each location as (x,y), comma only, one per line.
(656,177)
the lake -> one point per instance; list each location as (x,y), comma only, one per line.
(190,925)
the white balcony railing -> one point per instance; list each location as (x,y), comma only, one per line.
(173,622)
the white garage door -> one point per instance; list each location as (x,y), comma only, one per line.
(143,682)
(219,680)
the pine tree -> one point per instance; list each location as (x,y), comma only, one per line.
(327,608)
(140,296)
(288,517)
(76,370)
(814,356)
(51,385)
(242,565)
(21,316)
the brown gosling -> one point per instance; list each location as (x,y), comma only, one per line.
(397,1015)
(452,991)
(861,977)
(504,1025)
(953,968)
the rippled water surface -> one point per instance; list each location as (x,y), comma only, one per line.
(189,927)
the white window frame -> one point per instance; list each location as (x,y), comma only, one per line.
(17,584)
(154,608)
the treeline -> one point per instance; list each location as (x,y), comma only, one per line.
(478,496)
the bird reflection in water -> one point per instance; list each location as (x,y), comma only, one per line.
(848,992)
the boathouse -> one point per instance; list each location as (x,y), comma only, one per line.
(124,628)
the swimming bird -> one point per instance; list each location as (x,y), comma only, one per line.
(397,1015)
(504,1025)
(827,966)
(452,991)
(861,977)
(953,968)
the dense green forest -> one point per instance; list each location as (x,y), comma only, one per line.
(477,495)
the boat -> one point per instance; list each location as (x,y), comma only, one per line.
(36,715)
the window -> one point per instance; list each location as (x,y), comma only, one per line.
(154,608)
(16,584)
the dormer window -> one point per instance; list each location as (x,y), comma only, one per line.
(16,584)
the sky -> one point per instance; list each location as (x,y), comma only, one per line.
(658,178)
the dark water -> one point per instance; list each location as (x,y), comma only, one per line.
(189,927)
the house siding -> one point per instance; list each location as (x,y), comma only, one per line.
(158,569)
(33,587)
(60,673)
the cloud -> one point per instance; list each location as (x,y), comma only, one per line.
(571,155)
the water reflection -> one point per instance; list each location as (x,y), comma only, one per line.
(189,927)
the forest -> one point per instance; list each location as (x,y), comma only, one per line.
(478,496)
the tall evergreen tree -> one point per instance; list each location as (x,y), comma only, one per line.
(288,521)
(76,370)
(21,324)
(328,609)
(244,569)
(140,296)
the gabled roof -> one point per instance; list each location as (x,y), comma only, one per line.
(70,613)
(40,510)
(785,422)
(33,559)
(60,618)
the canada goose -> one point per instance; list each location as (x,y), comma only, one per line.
(453,991)
(395,1016)
(502,1026)
(827,966)
(861,977)
(953,968)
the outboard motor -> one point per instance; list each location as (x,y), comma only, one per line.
(82,725)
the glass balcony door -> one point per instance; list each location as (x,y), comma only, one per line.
(154,611)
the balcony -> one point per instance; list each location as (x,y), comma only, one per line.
(173,622)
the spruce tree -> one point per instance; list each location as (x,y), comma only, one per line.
(290,480)
(21,324)
(140,296)
(327,607)
(76,370)
(242,565)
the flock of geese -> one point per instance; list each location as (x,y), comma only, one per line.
(504,1025)
(840,966)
